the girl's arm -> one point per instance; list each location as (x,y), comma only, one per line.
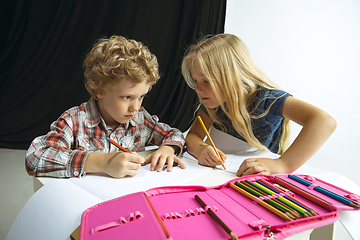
(204,153)
(317,128)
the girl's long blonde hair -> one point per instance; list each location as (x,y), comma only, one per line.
(226,62)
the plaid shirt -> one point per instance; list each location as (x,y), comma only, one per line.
(81,130)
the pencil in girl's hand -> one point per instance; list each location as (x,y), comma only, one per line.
(118,145)
(211,141)
(216,218)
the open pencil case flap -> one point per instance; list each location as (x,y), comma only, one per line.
(126,217)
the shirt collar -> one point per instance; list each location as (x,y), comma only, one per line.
(93,116)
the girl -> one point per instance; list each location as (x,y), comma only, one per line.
(236,97)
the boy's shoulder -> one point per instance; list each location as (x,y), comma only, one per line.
(87,112)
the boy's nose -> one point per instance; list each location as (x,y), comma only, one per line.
(135,107)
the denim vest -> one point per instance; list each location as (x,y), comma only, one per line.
(266,129)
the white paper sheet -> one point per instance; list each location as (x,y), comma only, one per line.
(108,188)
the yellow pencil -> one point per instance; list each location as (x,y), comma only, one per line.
(211,141)
(260,202)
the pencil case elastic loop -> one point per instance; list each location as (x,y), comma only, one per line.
(312,186)
(287,194)
(352,197)
(166,216)
(309,178)
(199,211)
(131,217)
(258,224)
(207,208)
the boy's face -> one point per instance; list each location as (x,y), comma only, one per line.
(203,88)
(120,103)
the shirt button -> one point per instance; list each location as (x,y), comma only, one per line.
(76,173)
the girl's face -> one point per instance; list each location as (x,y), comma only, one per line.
(203,88)
(120,103)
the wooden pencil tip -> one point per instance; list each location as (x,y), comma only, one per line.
(354,205)
(233,236)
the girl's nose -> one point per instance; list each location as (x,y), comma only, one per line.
(198,88)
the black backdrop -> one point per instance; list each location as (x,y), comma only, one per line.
(43,44)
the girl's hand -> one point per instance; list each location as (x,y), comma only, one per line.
(208,157)
(264,166)
(164,155)
(121,164)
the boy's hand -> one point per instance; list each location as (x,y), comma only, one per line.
(266,166)
(123,164)
(208,156)
(163,155)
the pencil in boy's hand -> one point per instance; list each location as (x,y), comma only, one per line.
(118,145)
(216,218)
(211,141)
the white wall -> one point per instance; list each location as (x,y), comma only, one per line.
(311,48)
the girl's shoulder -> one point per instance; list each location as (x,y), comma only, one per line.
(271,94)
(268,98)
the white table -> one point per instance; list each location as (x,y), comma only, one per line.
(71,218)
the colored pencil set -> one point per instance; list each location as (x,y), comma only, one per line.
(285,206)
(273,199)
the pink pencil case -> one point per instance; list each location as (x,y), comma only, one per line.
(173,212)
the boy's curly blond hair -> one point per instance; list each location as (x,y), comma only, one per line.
(116,58)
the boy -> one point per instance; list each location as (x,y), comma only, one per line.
(118,74)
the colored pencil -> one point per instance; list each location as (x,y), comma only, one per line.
(319,201)
(118,145)
(211,141)
(294,207)
(289,197)
(260,202)
(247,186)
(326,192)
(279,200)
(158,218)
(216,218)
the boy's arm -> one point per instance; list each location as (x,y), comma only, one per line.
(51,155)
(161,134)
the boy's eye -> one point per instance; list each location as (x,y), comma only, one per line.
(126,97)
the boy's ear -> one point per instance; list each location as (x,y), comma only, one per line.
(98,94)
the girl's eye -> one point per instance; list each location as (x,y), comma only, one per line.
(142,96)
